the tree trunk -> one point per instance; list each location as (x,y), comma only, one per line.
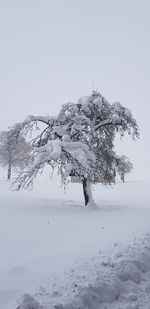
(87,191)
(122,177)
(9,172)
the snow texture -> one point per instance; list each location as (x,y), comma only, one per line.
(29,302)
(55,253)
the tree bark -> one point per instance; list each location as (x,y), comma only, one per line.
(123,177)
(9,172)
(87,191)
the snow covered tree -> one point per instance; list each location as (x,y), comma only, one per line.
(14,151)
(124,167)
(79,141)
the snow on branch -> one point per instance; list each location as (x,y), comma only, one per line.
(110,121)
(80,140)
(58,152)
(31,121)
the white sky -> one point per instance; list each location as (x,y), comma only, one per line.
(54,51)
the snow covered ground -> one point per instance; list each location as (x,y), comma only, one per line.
(63,255)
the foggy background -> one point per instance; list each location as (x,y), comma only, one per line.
(52,52)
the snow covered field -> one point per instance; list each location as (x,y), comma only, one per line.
(67,256)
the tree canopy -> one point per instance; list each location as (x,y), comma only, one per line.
(14,151)
(79,141)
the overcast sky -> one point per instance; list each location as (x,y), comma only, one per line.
(54,51)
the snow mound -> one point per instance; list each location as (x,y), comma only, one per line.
(129,271)
(125,286)
(103,293)
(29,303)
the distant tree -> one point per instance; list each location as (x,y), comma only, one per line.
(124,167)
(79,141)
(15,152)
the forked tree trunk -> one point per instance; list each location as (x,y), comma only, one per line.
(9,172)
(87,191)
